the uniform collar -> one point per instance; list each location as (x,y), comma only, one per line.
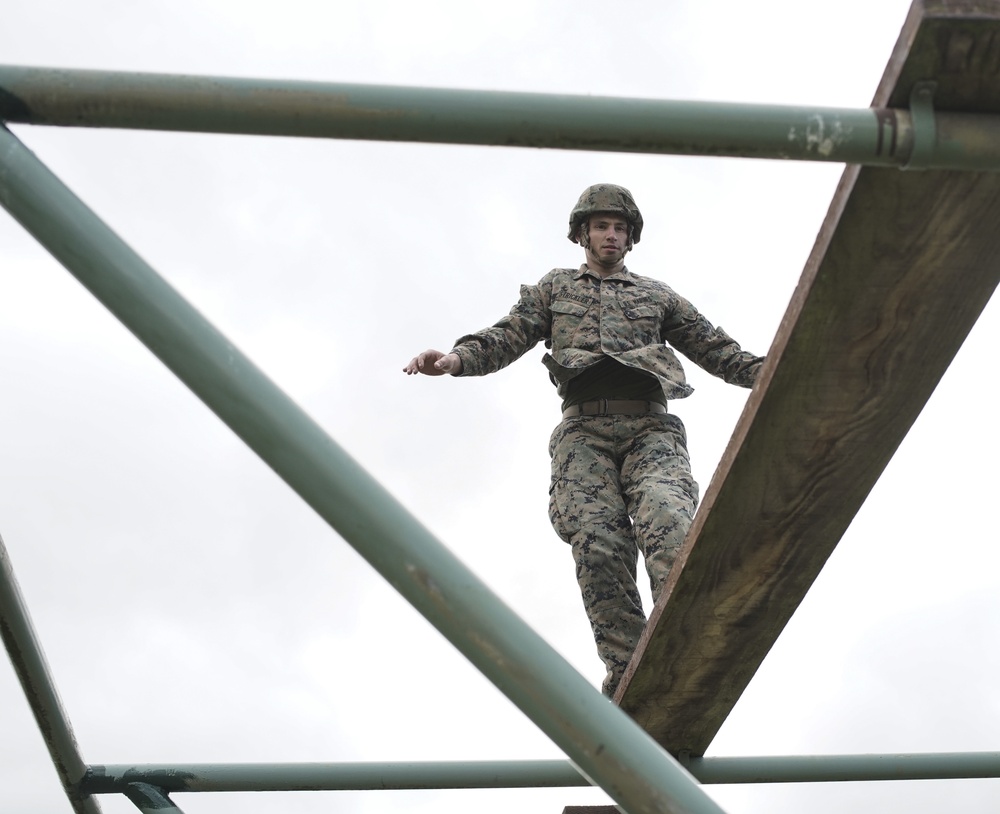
(624,275)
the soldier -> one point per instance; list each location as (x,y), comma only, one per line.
(621,476)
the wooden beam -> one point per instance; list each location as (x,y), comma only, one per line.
(903,266)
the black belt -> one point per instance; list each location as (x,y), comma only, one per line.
(614,407)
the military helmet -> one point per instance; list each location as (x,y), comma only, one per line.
(606,198)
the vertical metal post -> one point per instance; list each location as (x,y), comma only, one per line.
(33,673)
(607,746)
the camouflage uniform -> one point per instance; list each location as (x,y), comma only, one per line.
(618,482)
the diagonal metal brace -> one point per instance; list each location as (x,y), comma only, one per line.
(151,799)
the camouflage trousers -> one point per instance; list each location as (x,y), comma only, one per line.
(620,484)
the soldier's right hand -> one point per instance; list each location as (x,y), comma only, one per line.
(434,363)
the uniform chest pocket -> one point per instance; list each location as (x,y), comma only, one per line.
(567,316)
(644,322)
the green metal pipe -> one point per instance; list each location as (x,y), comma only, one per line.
(33,672)
(110,779)
(513,774)
(878,137)
(150,799)
(827,768)
(605,743)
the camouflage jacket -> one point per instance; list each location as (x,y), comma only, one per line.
(627,317)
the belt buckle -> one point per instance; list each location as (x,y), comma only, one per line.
(603,410)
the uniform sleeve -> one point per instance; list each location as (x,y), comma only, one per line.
(711,348)
(492,349)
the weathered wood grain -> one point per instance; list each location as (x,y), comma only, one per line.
(902,267)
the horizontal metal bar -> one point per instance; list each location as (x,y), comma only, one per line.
(33,672)
(877,137)
(826,768)
(110,778)
(338,776)
(604,742)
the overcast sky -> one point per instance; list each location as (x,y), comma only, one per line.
(194,609)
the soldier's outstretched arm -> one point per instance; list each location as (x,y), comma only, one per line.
(434,363)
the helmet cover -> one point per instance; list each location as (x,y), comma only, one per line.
(609,198)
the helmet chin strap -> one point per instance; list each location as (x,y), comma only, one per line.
(601,262)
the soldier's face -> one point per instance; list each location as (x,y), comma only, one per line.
(608,239)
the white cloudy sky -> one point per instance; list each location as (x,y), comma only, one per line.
(193,609)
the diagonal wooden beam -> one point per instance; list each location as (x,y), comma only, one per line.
(903,266)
